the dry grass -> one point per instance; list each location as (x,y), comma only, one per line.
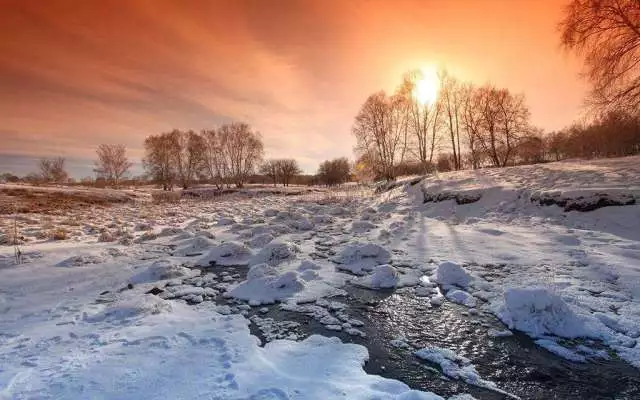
(58,234)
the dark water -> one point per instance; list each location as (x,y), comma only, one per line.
(514,363)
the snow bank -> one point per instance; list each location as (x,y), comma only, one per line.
(360,258)
(538,312)
(227,254)
(264,285)
(452,274)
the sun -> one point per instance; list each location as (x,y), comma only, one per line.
(427,86)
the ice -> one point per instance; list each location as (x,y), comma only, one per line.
(454,366)
(537,311)
(561,351)
(452,274)
(461,297)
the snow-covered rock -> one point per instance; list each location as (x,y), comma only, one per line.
(275,253)
(461,297)
(194,246)
(264,285)
(537,311)
(227,254)
(134,307)
(452,274)
(383,277)
(360,258)
(161,270)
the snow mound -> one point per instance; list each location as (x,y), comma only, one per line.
(308,265)
(161,270)
(362,226)
(264,285)
(135,307)
(461,297)
(261,240)
(82,260)
(360,258)
(452,274)
(538,312)
(276,253)
(227,254)
(194,246)
(383,277)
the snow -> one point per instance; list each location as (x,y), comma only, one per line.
(461,297)
(455,366)
(264,285)
(275,253)
(538,312)
(452,274)
(360,258)
(227,254)
(76,320)
(383,277)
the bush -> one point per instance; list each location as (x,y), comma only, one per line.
(58,234)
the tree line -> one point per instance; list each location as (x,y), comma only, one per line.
(479,125)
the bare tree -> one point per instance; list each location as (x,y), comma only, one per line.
(607,34)
(188,156)
(242,149)
(380,131)
(334,172)
(159,160)
(288,168)
(213,157)
(270,168)
(53,170)
(112,163)
(472,122)
(423,122)
(450,97)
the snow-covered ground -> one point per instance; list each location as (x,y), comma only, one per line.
(156,301)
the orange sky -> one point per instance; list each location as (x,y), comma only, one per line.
(74,74)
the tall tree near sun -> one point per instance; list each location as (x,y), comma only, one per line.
(607,34)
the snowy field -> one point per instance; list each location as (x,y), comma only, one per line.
(181,301)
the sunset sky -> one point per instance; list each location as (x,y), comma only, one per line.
(74,74)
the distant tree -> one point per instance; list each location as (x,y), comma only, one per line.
(452,107)
(9,177)
(607,34)
(160,158)
(86,181)
(334,172)
(381,130)
(215,164)
(188,156)
(53,170)
(288,168)
(112,163)
(33,178)
(271,170)
(242,149)
(445,162)
(532,147)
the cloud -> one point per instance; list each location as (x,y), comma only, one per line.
(76,74)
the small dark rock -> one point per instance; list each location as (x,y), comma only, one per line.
(155,291)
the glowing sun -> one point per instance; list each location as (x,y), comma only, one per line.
(427,86)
